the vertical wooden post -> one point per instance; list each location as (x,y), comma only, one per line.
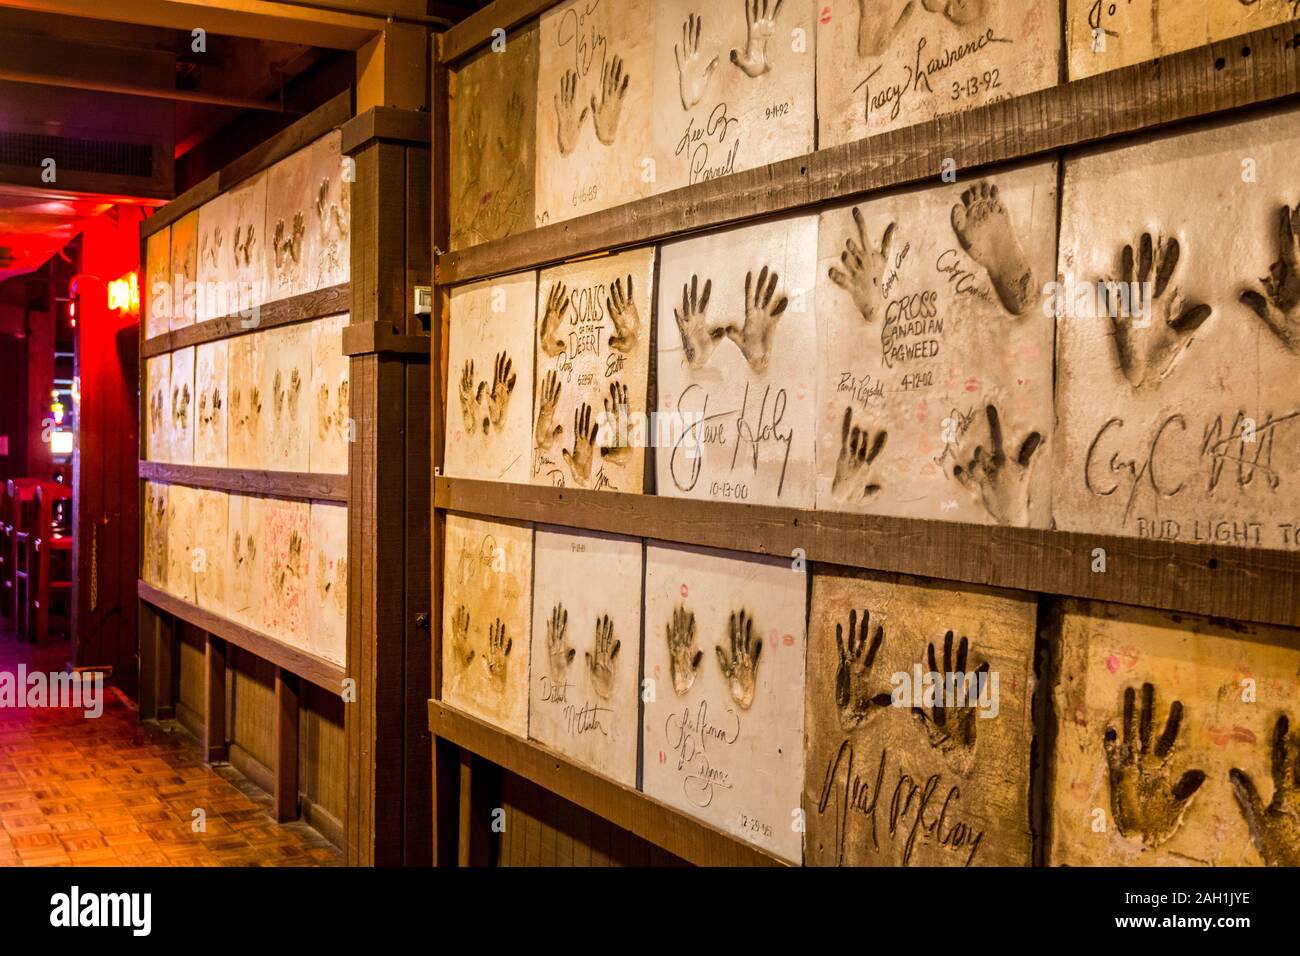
(479,797)
(157,649)
(386,726)
(392,69)
(286,745)
(214,700)
(446,762)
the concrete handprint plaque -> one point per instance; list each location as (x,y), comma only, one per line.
(289,201)
(883,64)
(920,722)
(590,428)
(494,141)
(246,584)
(595,143)
(182,539)
(283,356)
(215,262)
(328,588)
(724,656)
(184,274)
(1175,743)
(329,216)
(153,545)
(286,538)
(737,342)
(487,620)
(210,549)
(157,392)
(1177,412)
(935,351)
(243,248)
(157,292)
(247,410)
(584,694)
(330,398)
(733,87)
(1105,36)
(210,403)
(490,367)
(181,407)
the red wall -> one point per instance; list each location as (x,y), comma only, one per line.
(106,550)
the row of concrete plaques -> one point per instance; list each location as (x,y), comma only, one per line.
(1168,739)
(277,567)
(600,103)
(274,400)
(958,351)
(283,232)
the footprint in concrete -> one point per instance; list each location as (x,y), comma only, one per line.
(984,229)
(960,12)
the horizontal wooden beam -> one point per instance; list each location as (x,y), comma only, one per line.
(202,192)
(660,824)
(297,485)
(1241,584)
(331,114)
(326,675)
(1198,83)
(389,124)
(476,30)
(373,338)
(258,19)
(331,300)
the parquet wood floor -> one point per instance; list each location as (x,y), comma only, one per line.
(111,791)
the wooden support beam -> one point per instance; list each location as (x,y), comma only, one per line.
(446,803)
(485,748)
(331,114)
(157,662)
(379,337)
(409,127)
(476,806)
(476,30)
(445,776)
(297,485)
(286,746)
(291,311)
(1241,584)
(259,19)
(393,68)
(389,772)
(213,744)
(324,674)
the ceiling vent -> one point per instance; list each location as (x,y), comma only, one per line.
(73,153)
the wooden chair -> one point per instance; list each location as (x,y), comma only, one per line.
(52,553)
(7,522)
(21,492)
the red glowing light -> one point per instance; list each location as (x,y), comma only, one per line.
(124,294)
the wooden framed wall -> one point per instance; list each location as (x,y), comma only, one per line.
(1238,77)
(273,709)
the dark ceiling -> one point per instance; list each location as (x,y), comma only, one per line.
(95,82)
